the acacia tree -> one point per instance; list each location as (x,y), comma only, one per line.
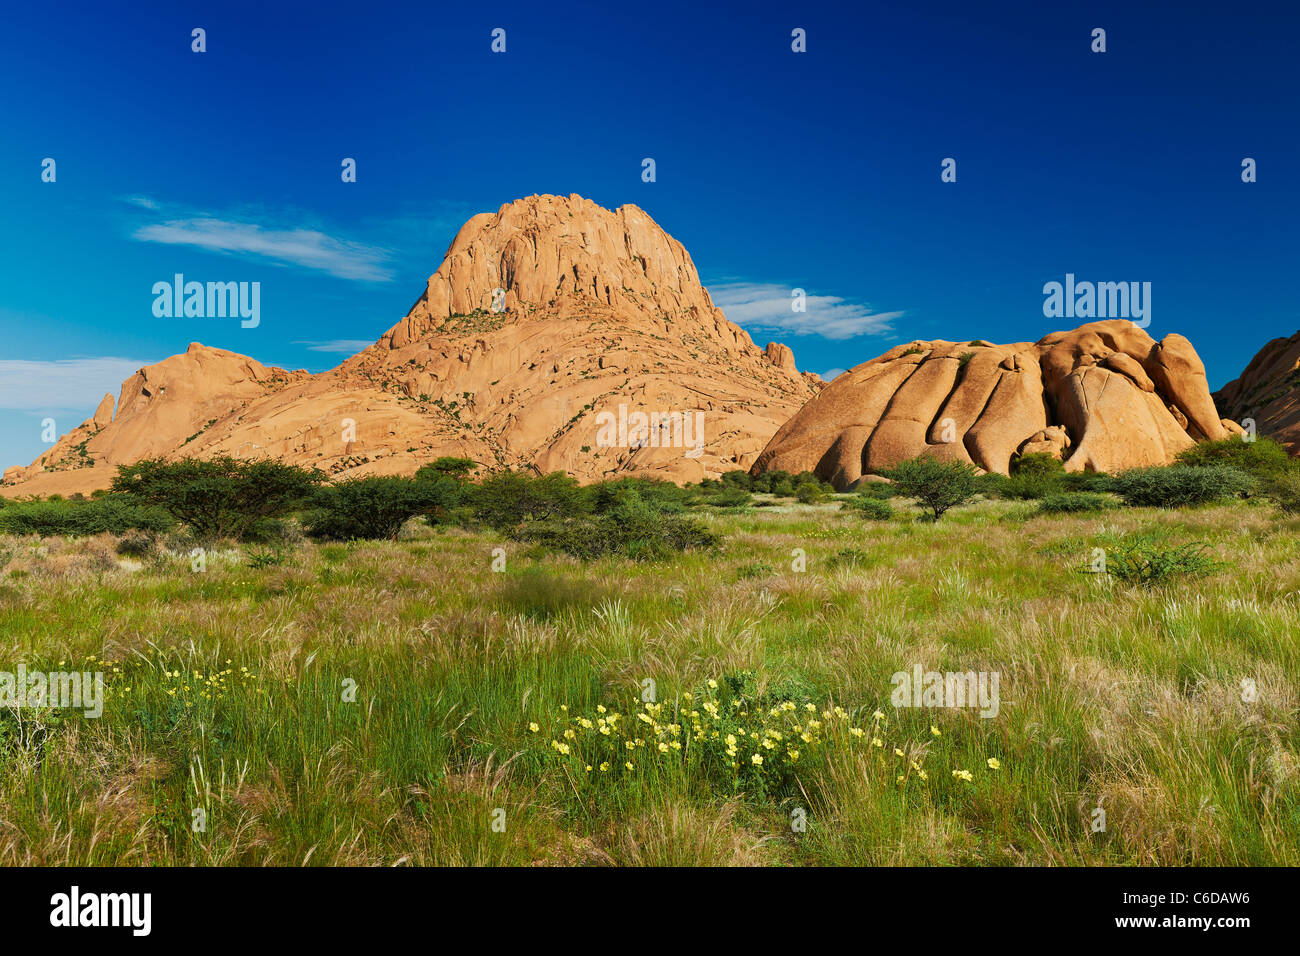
(504,500)
(937,485)
(378,506)
(445,467)
(219,497)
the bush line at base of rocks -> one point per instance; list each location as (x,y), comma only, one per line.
(258,501)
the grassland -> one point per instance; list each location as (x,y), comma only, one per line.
(226,695)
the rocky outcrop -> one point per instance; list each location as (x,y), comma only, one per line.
(1268,392)
(780,356)
(545,321)
(162,409)
(1104,397)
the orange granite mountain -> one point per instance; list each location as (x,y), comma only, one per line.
(1103,397)
(1268,391)
(548,324)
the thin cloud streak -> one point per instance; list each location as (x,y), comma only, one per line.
(338,346)
(768,306)
(31,385)
(307,248)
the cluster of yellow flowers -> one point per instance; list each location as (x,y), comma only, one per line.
(109,668)
(738,738)
(198,685)
(187,685)
(609,739)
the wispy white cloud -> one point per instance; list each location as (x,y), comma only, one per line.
(760,305)
(144,202)
(832,373)
(341,346)
(76,384)
(308,248)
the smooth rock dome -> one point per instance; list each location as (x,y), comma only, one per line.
(1103,397)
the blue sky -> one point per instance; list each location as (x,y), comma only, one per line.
(818,170)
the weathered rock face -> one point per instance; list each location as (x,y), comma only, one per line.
(597,312)
(162,408)
(1103,397)
(1268,391)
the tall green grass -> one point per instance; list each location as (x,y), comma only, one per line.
(371,703)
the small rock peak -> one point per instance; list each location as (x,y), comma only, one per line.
(540,249)
(104,412)
(780,356)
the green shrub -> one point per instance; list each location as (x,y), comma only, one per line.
(1146,560)
(882,490)
(1030,487)
(457,469)
(733,497)
(738,479)
(937,485)
(808,478)
(1261,458)
(629,527)
(1073,502)
(113,514)
(994,485)
(283,532)
(809,493)
(866,507)
(377,507)
(1037,464)
(135,545)
(505,500)
(769,481)
(1033,476)
(217,498)
(1180,485)
(1284,491)
(1086,481)
(655,492)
